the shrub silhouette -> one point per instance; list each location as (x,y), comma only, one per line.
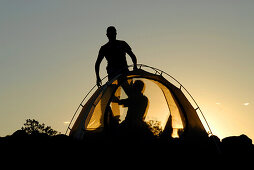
(32,126)
(155,127)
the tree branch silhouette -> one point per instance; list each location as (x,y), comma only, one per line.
(33,126)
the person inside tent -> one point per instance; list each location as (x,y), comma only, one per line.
(115,53)
(137,104)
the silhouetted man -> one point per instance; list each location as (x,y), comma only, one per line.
(115,53)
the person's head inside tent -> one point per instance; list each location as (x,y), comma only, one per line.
(138,86)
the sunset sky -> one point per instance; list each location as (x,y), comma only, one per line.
(48,49)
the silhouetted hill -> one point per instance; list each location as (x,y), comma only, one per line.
(227,149)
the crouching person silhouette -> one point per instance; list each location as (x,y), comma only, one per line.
(137,103)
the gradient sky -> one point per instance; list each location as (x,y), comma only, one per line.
(48,49)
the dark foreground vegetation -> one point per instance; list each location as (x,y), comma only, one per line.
(34,142)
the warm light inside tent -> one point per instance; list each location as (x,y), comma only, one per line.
(159,106)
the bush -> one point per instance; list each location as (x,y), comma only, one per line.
(32,126)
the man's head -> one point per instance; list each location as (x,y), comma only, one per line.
(139,86)
(111,33)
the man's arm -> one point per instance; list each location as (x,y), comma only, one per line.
(133,58)
(97,67)
(124,102)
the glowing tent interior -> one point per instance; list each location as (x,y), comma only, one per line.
(167,107)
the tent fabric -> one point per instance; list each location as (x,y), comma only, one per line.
(175,110)
(93,116)
(78,128)
(195,126)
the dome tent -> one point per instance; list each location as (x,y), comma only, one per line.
(168,109)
